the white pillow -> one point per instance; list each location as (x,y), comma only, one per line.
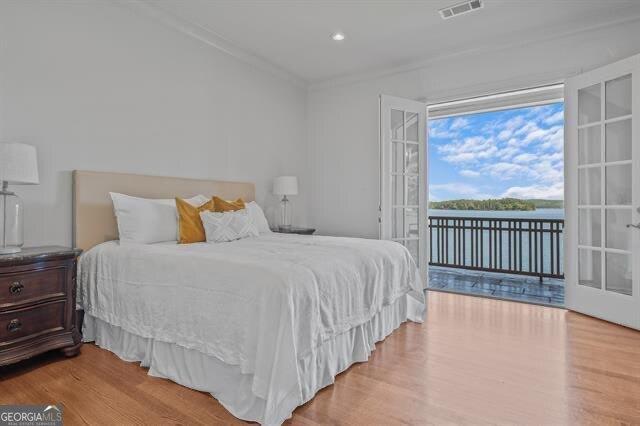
(143,220)
(228,226)
(258,217)
(196,200)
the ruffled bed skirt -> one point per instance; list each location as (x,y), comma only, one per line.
(229,385)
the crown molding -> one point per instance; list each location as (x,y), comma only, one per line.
(148,9)
(425,63)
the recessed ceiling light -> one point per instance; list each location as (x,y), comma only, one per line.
(337,36)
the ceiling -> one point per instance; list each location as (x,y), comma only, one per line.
(294,35)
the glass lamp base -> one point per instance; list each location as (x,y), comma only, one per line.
(285,213)
(11,226)
(10,250)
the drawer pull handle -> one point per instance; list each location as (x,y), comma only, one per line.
(16,288)
(14,325)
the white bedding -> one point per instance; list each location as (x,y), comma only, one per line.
(262,305)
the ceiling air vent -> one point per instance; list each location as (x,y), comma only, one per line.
(460,8)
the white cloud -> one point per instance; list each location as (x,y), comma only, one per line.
(524,158)
(469,173)
(514,122)
(462,188)
(469,150)
(529,127)
(505,134)
(438,129)
(555,156)
(543,135)
(558,117)
(553,192)
(510,150)
(456,190)
(548,171)
(459,123)
(525,150)
(506,171)
(554,140)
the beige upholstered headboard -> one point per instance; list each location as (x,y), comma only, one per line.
(93,218)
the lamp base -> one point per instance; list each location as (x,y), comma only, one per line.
(285,213)
(9,250)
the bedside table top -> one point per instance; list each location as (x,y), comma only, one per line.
(35,254)
(294,230)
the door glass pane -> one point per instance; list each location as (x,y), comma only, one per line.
(397,190)
(412,126)
(618,96)
(412,246)
(397,124)
(589,104)
(412,158)
(397,154)
(618,185)
(589,145)
(589,268)
(411,223)
(589,186)
(589,227)
(412,190)
(618,141)
(397,223)
(618,234)
(619,273)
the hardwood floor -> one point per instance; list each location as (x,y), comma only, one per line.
(474,360)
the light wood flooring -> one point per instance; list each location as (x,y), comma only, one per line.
(473,361)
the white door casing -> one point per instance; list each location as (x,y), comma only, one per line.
(602,192)
(403,176)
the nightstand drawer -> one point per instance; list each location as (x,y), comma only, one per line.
(26,323)
(29,286)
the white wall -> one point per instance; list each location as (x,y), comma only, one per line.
(343,118)
(96,87)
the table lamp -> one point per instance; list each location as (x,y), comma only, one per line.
(285,185)
(18,166)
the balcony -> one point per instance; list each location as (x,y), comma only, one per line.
(508,258)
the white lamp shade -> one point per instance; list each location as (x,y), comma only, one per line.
(285,185)
(18,163)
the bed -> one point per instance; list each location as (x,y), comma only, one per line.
(261,323)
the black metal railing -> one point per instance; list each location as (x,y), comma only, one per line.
(508,245)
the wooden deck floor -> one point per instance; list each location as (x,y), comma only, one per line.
(519,288)
(474,360)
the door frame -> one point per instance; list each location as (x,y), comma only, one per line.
(386,103)
(607,305)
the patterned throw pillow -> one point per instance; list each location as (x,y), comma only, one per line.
(228,226)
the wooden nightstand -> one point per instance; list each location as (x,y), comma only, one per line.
(294,230)
(37,303)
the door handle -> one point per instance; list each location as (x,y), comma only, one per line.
(630,225)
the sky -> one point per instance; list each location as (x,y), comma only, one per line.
(514,153)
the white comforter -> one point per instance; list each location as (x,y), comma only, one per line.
(260,303)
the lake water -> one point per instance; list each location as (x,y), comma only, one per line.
(540,251)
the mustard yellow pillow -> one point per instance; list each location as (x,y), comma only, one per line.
(220,205)
(190,227)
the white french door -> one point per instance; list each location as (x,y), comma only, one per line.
(602,194)
(403,176)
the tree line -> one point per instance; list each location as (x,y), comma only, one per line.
(500,204)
